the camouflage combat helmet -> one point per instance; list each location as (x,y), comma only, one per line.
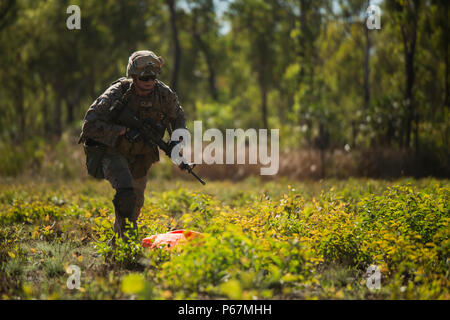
(144,63)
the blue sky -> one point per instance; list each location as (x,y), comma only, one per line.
(222,6)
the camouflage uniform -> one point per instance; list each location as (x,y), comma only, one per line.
(125,163)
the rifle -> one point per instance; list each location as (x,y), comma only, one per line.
(150,131)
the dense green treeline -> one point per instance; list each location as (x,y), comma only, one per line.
(310,68)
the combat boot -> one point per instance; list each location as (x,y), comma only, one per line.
(124,225)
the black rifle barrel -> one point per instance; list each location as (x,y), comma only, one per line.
(196,176)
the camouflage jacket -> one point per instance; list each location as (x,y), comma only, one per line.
(161,105)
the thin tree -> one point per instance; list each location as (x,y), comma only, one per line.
(176,44)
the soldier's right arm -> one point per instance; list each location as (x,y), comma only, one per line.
(96,125)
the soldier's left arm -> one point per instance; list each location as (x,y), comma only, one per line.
(176,116)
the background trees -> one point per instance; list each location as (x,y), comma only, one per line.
(310,68)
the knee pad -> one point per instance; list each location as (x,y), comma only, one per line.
(125,202)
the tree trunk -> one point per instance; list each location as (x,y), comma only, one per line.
(264,106)
(416,133)
(211,71)
(354,133)
(390,132)
(307,53)
(45,114)
(208,57)
(322,163)
(322,143)
(21,120)
(446,57)
(367,70)
(74,101)
(303,26)
(70,112)
(446,97)
(409,72)
(409,44)
(8,9)
(57,116)
(176,44)
(212,80)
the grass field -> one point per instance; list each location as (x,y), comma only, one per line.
(262,240)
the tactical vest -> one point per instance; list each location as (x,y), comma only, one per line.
(140,156)
(147,107)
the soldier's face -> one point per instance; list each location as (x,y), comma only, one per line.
(145,85)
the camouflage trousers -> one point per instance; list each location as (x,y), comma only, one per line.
(129,190)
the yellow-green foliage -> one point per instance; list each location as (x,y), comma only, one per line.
(261,240)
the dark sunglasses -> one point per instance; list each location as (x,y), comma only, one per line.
(147,78)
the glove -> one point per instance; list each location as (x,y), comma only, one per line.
(132,135)
(185,166)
